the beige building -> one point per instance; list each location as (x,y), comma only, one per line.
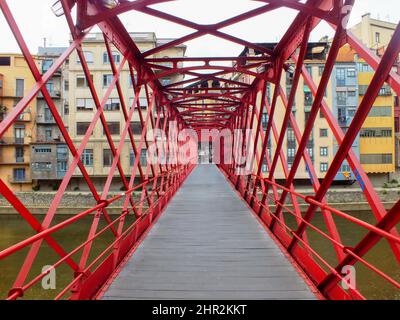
(374,33)
(97,156)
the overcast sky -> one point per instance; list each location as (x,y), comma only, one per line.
(37,21)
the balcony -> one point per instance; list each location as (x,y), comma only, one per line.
(54,94)
(13,141)
(23,179)
(24,117)
(13,161)
(45,119)
(46,68)
(42,138)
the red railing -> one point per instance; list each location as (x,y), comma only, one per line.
(228,103)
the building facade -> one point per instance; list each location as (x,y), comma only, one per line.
(378,135)
(15,154)
(321,146)
(97,156)
(378,139)
(49,153)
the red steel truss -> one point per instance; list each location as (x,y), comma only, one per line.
(230,104)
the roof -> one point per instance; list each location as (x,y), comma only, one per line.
(314,49)
(51,51)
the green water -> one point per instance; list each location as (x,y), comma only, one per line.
(14,229)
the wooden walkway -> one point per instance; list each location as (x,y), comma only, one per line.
(207,245)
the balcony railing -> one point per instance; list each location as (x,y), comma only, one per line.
(53,94)
(45,119)
(19,179)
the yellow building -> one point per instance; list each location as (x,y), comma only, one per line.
(377,148)
(97,156)
(14,145)
(377,137)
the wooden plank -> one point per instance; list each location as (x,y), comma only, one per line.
(207,245)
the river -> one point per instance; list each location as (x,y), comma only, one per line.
(13,229)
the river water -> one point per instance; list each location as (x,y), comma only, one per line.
(14,228)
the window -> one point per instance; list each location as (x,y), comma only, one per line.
(323,132)
(87,157)
(351,72)
(42,150)
(309,70)
(342,115)
(351,93)
(107,157)
(66,85)
(264,167)
(376,158)
(310,151)
(385,91)
(323,167)
(61,168)
(380,112)
(323,151)
(288,91)
(166,81)
(136,127)
(41,166)
(364,67)
(351,112)
(19,134)
(5,61)
(112,104)
(308,99)
(83,104)
(143,103)
(81,81)
(81,128)
(291,152)
(321,70)
(50,86)
(88,57)
(19,87)
(131,158)
(19,175)
(115,55)
(290,135)
(66,108)
(107,79)
(143,157)
(264,120)
(19,154)
(341,98)
(113,127)
(341,76)
(46,64)
(362,89)
(377,37)
(345,168)
(48,134)
(130,79)
(62,152)
(376,132)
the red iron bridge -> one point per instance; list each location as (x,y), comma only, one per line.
(207,231)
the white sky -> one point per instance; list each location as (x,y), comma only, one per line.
(37,21)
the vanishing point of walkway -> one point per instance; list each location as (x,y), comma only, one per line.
(207,245)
